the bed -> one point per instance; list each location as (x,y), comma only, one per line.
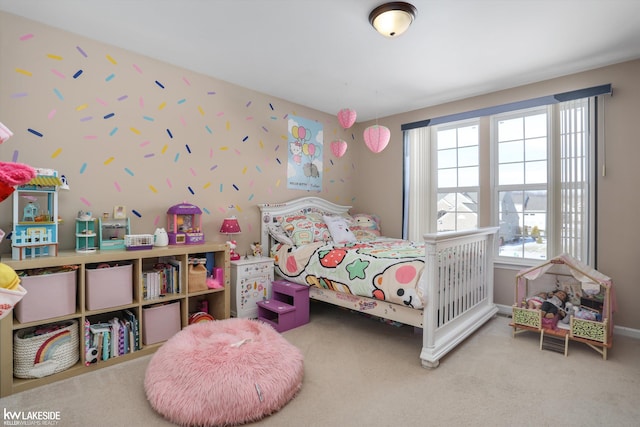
(443,285)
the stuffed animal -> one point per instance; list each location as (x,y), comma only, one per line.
(569,310)
(10,290)
(554,304)
(12,175)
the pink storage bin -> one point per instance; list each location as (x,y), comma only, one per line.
(160,322)
(109,287)
(48,295)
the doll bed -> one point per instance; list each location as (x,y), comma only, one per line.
(455,277)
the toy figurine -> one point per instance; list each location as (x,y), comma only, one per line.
(233,255)
(257,249)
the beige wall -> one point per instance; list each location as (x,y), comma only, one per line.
(237,137)
(143,169)
(618,233)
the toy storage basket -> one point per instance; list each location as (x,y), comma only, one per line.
(197,278)
(134,242)
(36,356)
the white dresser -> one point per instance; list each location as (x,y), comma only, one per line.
(250,282)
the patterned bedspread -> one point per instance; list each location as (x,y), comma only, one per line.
(386,269)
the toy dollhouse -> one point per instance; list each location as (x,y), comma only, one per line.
(184,225)
(35,216)
(588,311)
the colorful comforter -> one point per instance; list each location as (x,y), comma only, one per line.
(385,269)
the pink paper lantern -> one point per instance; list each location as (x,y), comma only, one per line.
(339,147)
(377,137)
(346,117)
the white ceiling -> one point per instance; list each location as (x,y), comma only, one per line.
(324,54)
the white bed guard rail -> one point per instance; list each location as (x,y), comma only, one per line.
(459,288)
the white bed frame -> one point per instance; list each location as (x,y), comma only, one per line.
(458,289)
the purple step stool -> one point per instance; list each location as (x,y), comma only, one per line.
(295,295)
(288,307)
(278,314)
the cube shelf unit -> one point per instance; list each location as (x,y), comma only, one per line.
(217,301)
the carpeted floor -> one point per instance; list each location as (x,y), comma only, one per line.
(359,371)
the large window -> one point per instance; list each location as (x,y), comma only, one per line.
(538,186)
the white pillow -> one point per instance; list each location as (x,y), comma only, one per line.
(339,229)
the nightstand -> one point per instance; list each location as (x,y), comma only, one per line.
(250,282)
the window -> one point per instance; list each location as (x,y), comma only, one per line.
(538,186)
(458,179)
(522,158)
(543,180)
(455,154)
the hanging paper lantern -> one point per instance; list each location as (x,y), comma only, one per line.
(346,117)
(339,147)
(377,137)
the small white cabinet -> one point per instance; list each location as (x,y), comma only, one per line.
(250,282)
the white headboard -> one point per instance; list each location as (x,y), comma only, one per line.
(270,211)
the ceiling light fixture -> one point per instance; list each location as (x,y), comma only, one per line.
(393,18)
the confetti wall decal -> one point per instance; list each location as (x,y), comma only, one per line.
(240,157)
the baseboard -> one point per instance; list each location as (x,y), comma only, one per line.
(505,310)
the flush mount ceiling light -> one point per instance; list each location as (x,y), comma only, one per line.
(393,18)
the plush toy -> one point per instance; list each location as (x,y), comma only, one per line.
(554,304)
(569,310)
(10,290)
(12,175)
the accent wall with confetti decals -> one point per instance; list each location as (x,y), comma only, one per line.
(127,130)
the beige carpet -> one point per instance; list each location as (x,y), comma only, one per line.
(361,372)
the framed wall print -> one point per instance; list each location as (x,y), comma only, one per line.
(119,212)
